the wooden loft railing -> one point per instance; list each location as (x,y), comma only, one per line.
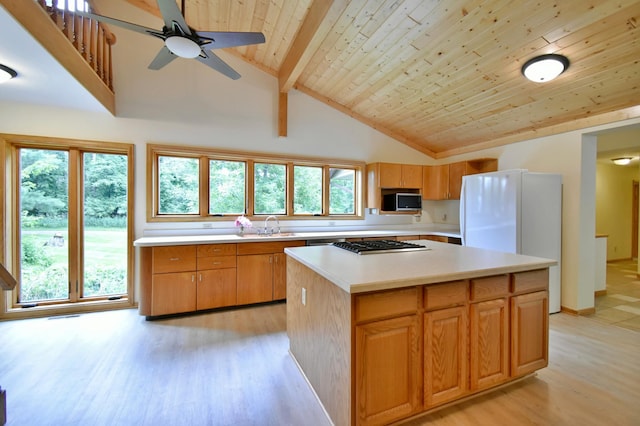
(91,38)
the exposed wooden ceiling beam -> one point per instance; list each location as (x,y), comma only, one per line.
(311,34)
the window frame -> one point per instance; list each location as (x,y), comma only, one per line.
(250,158)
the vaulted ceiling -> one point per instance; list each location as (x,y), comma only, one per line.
(442,76)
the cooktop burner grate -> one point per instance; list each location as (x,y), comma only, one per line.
(378,246)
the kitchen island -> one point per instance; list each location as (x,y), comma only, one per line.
(384,337)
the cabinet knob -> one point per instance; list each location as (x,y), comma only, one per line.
(173,259)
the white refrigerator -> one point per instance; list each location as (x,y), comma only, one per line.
(515,211)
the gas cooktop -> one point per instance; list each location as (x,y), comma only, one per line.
(378,246)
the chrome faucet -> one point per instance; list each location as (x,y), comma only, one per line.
(270,231)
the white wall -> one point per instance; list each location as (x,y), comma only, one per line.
(614,198)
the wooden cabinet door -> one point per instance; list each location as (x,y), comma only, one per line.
(216,288)
(435,182)
(173,293)
(446,363)
(456,171)
(489,343)
(390,175)
(254,278)
(279,276)
(529,332)
(387,370)
(411,176)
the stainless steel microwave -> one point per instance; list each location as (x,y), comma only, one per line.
(401,202)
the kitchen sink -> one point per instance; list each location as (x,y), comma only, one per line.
(277,235)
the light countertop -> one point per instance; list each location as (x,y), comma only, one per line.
(167,240)
(382,271)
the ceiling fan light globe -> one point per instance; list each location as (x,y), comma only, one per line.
(182,46)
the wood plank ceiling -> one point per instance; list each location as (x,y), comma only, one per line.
(443,76)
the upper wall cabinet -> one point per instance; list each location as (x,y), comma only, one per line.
(384,178)
(390,175)
(445,181)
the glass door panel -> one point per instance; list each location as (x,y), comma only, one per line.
(105,224)
(44,225)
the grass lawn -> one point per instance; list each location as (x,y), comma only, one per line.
(102,246)
(105,263)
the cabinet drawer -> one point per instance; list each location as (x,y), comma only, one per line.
(174,259)
(489,288)
(216,262)
(207,250)
(445,295)
(386,304)
(526,282)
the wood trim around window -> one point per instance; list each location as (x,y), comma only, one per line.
(9,218)
(156,150)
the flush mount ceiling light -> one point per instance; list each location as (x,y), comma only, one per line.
(6,73)
(545,67)
(622,161)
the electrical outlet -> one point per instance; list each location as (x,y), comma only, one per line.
(304,296)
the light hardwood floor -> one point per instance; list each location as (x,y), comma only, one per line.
(233,368)
(621,304)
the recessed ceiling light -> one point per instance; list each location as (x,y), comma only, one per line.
(545,67)
(6,73)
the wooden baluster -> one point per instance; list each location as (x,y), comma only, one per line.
(67,18)
(107,62)
(100,52)
(77,33)
(93,45)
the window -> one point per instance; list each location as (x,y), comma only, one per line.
(307,190)
(342,191)
(178,185)
(270,181)
(227,187)
(73,221)
(190,184)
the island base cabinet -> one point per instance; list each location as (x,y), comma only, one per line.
(446,361)
(173,293)
(489,343)
(530,332)
(387,370)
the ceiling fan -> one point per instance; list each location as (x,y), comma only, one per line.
(182,41)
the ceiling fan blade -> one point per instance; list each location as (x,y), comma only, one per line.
(211,60)
(122,24)
(163,57)
(221,39)
(171,14)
